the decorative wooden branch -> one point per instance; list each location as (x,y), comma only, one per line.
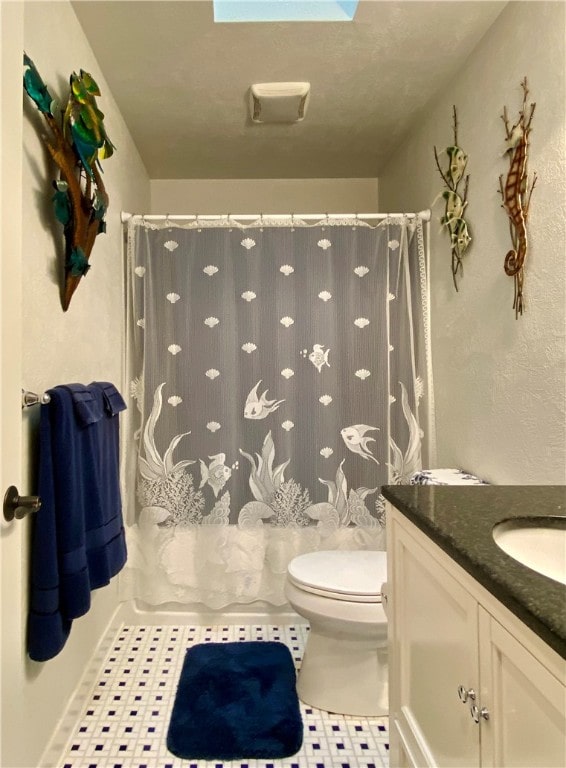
(76,142)
(516,194)
(455,203)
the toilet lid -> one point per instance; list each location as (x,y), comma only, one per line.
(346,575)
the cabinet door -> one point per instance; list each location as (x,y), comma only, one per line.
(433,651)
(526,704)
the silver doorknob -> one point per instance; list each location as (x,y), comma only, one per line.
(466,693)
(19,506)
(476,713)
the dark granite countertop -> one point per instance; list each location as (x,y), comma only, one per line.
(460,519)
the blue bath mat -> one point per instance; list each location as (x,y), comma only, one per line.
(236,701)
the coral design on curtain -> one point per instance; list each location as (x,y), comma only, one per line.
(280,375)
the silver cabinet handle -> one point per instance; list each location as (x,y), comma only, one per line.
(476,713)
(466,693)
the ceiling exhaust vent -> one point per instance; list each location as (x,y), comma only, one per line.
(279,102)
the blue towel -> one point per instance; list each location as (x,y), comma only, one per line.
(78,541)
(87,406)
(113,402)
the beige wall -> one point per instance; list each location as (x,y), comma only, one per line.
(82,344)
(280,196)
(499,382)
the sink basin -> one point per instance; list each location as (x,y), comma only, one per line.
(538,543)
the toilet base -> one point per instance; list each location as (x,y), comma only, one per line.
(331,663)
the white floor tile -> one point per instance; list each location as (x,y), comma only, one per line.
(124,723)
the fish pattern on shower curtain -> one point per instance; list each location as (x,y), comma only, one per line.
(279,375)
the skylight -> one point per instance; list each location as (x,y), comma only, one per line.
(284,10)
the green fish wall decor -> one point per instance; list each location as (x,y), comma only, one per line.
(455,202)
(77,142)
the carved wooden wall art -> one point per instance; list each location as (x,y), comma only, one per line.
(516,193)
(77,141)
(455,203)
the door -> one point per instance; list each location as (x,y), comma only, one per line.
(11,534)
(525,702)
(435,652)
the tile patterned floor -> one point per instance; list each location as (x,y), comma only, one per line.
(124,723)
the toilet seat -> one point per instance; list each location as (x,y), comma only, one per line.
(355,576)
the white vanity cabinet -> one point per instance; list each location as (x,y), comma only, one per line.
(470,685)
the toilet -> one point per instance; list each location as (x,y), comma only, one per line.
(344,668)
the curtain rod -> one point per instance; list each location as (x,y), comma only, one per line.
(424,215)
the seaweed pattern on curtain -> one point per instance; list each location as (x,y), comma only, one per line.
(279,378)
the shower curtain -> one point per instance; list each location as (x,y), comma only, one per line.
(280,373)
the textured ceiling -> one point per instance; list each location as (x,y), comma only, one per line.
(181,82)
